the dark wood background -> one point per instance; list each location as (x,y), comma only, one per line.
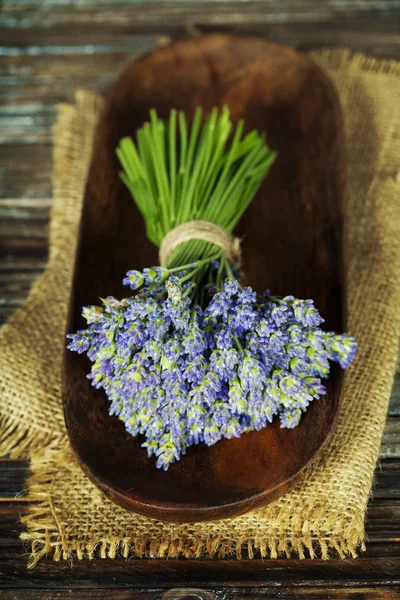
(47,49)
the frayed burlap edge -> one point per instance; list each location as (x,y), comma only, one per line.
(46,538)
(342,58)
(45,532)
(73,133)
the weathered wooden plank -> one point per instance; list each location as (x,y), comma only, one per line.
(371,37)
(379,570)
(391,438)
(52,78)
(395,399)
(286,6)
(319,593)
(22,242)
(52,92)
(21,88)
(26,126)
(10,262)
(74,61)
(30,15)
(24,218)
(394,406)
(21,209)
(13,474)
(36,227)
(26,248)
(383,520)
(13,291)
(15,158)
(387,477)
(25,171)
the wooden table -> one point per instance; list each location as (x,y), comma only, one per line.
(48,48)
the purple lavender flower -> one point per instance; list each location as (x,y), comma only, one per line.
(223,337)
(342,348)
(290,418)
(224,362)
(219,306)
(133,279)
(195,369)
(80,341)
(182,374)
(195,341)
(306,314)
(242,318)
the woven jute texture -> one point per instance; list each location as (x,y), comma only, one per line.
(324,514)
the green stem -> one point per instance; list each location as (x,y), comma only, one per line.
(177,173)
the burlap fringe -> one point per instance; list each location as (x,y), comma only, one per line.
(71,154)
(213,548)
(167,549)
(18,442)
(342,58)
(45,535)
(17,436)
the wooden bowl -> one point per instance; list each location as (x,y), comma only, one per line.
(293,244)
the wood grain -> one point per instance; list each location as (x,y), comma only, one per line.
(341,593)
(380,567)
(45,53)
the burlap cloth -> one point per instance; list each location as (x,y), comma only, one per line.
(324,514)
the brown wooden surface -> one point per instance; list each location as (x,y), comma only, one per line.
(47,49)
(295,221)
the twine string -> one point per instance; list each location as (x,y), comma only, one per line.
(200,230)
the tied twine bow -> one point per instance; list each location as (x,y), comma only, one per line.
(200,230)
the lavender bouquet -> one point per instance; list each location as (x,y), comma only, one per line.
(193,356)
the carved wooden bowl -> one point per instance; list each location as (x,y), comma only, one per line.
(292,244)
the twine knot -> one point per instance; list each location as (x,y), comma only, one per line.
(200,230)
